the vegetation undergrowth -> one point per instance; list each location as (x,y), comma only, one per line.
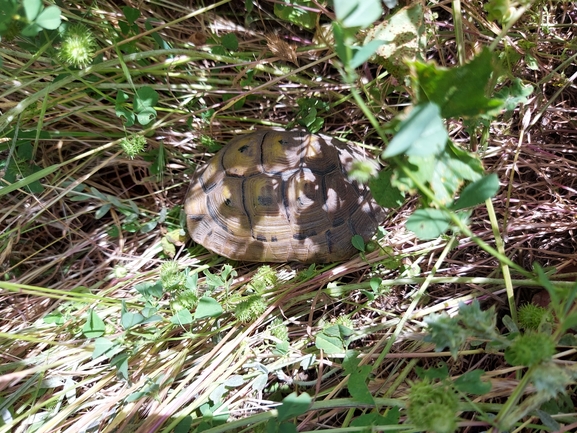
(459,317)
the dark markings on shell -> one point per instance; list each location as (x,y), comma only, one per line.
(227,202)
(206,188)
(301,236)
(214,215)
(285,202)
(264,200)
(338,222)
(273,239)
(196,218)
(261,238)
(329,238)
(242,149)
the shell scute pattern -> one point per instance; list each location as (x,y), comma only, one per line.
(281,196)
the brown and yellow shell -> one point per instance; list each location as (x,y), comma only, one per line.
(280,196)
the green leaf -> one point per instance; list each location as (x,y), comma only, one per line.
(459,91)
(207,307)
(384,192)
(477,192)
(434,373)
(422,133)
(403,37)
(31,29)
(428,223)
(101,346)
(146,115)
(230,42)
(357,386)
(120,361)
(515,94)
(131,14)
(358,13)
(148,288)
(32,8)
(293,406)
(289,11)
(54,317)
(102,210)
(182,317)
(94,326)
(49,18)
(362,54)
(471,383)
(375,419)
(330,344)
(331,339)
(358,242)
(145,97)
(445,331)
(122,111)
(129,320)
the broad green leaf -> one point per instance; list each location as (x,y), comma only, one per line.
(477,192)
(182,317)
(102,210)
(422,133)
(362,54)
(391,417)
(293,405)
(49,18)
(330,344)
(102,346)
(428,223)
(459,91)
(32,8)
(120,361)
(129,320)
(358,13)
(148,288)
(230,42)
(31,29)
(358,387)
(148,227)
(122,111)
(445,173)
(471,383)
(289,10)
(54,317)
(207,307)
(517,93)
(358,242)
(403,37)
(145,97)
(145,115)
(131,14)
(94,326)
(384,192)
(434,373)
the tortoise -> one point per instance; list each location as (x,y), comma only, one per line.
(281,196)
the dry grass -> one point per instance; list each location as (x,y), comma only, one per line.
(57,257)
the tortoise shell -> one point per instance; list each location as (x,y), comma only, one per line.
(280,196)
